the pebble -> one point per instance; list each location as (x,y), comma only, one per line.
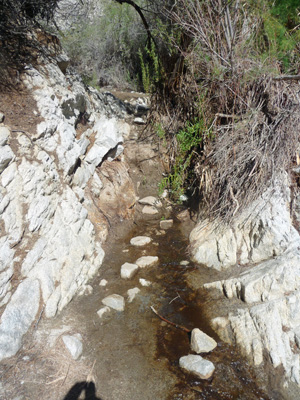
(185,262)
(144,282)
(197,366)
(73,344)
(103,311)
(139,121)
(128,270)
(166,224)
(146,261)
(140,241)
(114,301)
(201,342)
(132,293)
(103,282)
(151,210)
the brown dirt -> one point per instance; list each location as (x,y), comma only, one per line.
(20,110)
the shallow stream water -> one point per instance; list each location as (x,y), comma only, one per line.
(135,354)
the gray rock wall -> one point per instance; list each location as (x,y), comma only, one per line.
(51,233)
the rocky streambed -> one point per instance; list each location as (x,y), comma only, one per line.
(127,351)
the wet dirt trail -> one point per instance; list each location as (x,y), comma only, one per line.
(134,354)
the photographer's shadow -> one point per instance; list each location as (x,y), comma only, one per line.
(88,388)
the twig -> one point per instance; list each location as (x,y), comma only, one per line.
(66,375)
(170,322)
(88,378)
(55,380)
(177,297)
(287,78)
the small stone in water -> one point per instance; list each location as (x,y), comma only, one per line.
(149,210)
(114,301)
(166,224)
(197,366)
(128,270)
(201,342)
(146,261)
(140,241)
(151,201)
(103,311)
(132,293)
(103,282)
(144,282)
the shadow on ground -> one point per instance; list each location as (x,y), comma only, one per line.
(86,388)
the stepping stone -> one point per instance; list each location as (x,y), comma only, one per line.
(201,342)
(146,261)
(73,344)
(151,201)
(132,293)
(144,282)
(151,210)
(114,301)
(102,311)
(103,282)
(128,270)
(140,241)
(166,224)
(197,366)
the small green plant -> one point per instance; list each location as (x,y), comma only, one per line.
(151,71)
(189,141)
(145,72)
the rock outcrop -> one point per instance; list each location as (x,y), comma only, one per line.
(261,232)
(264,319)
(54,203)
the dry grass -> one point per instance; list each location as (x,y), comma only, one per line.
(250,149)
(251,118)
(41,372)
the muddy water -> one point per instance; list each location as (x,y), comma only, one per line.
(135,354)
